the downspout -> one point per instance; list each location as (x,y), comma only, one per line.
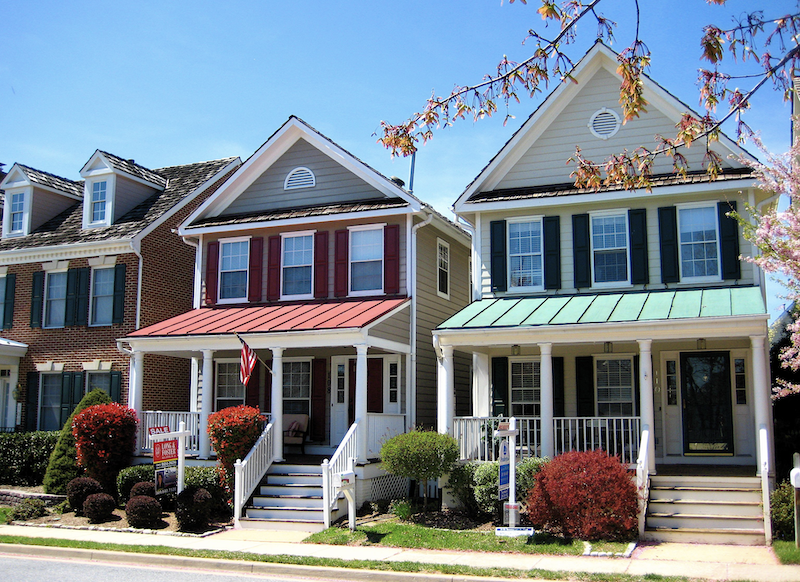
(414,298)
(762,274)
(198,258)
(136,245)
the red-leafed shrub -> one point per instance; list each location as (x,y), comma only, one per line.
(143,511)
(79,489)
(193,509)
(147,488)
(585,495)
(105,436)
(233,432)
(99,507)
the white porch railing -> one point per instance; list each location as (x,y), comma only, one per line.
(763,444)
(342,460)
(153,418)
(382,427)
(249,472)
(476,440)
(643,477)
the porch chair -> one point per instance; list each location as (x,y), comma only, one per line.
(295,430)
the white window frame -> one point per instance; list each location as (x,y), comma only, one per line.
(310,380)
(26,194)
(88,206)
(41,394)
(92,322)
(609,214)
(227,361)
(46,298)
(534,402)
(363,228)
(222,243)
(688,206)
(443,244)
(89,373)
(617,357)
(390,407)
(524,219)
(298,234)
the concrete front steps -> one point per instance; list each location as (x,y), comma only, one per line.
(289,498)
(713,510)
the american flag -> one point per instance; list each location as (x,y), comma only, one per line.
(247,364)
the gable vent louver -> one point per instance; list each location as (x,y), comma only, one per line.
(299,178)
(604,123)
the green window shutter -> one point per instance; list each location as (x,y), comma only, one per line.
(637,227)
(37,298)
(497,240)
(82,296)
(584,385)
(118,315)
(581,251)
(66,396)
(72,293)
(552,252)
(116,387)
(499,386)
(77,390)
(729,241)
(558,386)
(8,303)
(32,401)
(668,244)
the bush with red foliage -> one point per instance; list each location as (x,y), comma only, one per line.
(233,432)
(105,437)
(99,507)
(79,489)
(585,495)
(147,488)
(143,511)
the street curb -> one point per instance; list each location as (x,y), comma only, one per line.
(240,566)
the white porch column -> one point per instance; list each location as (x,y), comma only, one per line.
(546,399)
(481,395)
(761,395)
(361,401)
(136,381)
(445,391)
(206,402)
(647,412)
(276,409)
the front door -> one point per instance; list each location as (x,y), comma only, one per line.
(706,403)
(343,399)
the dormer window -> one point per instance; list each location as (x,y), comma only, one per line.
(98,210)
(299,178)
(98,201)
(16,218)
(17,212)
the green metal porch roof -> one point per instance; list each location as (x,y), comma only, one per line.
(619,307)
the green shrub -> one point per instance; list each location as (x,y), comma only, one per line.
(526,472)
(27,509)
(486,488)
(105,437)
(99,507)
(420,455)
(63,465)
(130,476)
(24,456)
(210,479)
(79,489)
(402,508)
(461,484)
(142,511)
(193,509)
(781,508)
(233,432)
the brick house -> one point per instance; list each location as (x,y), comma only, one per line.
(77,259)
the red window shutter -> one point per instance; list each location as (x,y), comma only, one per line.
(375,385)
(256,261)
(340,266)
(212,272)
(321,265)
(319,388)
(391,259)
(251,392)
(274,268)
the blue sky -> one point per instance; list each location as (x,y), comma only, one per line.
(169,83)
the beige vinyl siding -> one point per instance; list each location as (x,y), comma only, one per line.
(395,328)
(334,184)
(45,205)
(651,204)
(545,162)
(128,194)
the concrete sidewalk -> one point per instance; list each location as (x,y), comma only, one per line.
(712,562)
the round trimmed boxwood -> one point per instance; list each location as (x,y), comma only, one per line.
(99,507)
(79,489)
(143,511)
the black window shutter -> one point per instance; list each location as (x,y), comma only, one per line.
(116,387)
(636,404)
(668,244)
(637,227)
(32,401)
(8,303)
(552,252)
(584,385)
(72,294)
(82,296)
(558,386)
(497,229)
(499,386)
(118,315)
(66,396)
(581,251)
(729,241)
(37,296)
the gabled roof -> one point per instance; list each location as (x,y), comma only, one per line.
(483,186)
(45,180)
(66,228)
(127,167)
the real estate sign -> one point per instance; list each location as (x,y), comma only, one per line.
(165,462)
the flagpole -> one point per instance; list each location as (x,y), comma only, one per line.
(256,353)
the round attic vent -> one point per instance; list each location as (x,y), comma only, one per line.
(604,123)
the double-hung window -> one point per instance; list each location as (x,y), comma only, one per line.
(230,390)
(699,242)
(102,300)
(297,265)
(615,385)
(17,212)
(50,402)
(366,260)
(98,202)
(443,269)
(526,270)
(233,264)
(55,299)
(609,239)
(526,388)
(297,387)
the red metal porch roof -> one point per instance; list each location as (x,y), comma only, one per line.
(307,316)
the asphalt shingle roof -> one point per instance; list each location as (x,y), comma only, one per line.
(134,169)
(53,181)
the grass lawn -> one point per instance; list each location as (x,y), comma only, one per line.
(787,552)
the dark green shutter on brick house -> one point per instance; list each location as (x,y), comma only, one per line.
(37,297)
(8,303)
(118,315)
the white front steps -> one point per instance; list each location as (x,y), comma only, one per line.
(705,509)
(289,498)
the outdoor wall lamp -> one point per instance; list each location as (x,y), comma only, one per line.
(608,348)
(701,344)
(515,350)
